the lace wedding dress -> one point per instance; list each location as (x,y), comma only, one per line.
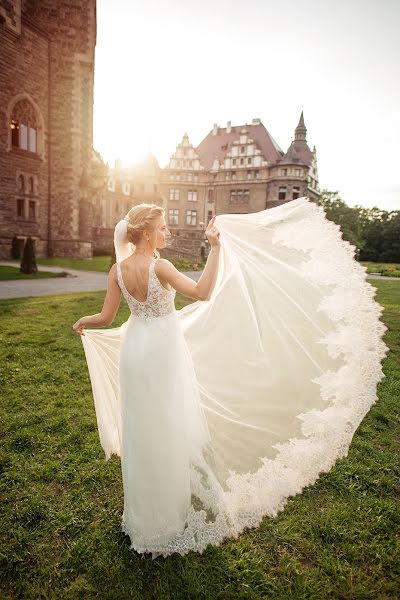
(222,410)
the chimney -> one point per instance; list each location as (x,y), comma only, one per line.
(215,129)
(228,127)
(256,121)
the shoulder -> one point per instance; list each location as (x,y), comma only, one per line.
(163,265)
(112,273)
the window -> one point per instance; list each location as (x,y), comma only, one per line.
(32,211)
(210,195)
(190,176)
(257,174)
(23,137)
(31,186)
(111,185)
(234,161)
(249,174)
(209,216)
(174,194)
(282,193)
(171,176)
(242,150)
(228,176)
(233,176)
(192,195)
(173,216)
(284,172)
(297,172)
(116,207)
(296,192)
(20,208)
(24,126)
(249,161)
(239,196)
(177,177)
(125,188)
(21,184)
(191,217)
(195,178)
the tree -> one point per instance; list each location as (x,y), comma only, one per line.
(347,217)
(28,262)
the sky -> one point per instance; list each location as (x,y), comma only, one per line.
(163,68)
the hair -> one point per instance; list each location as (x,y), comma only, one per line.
(142,217)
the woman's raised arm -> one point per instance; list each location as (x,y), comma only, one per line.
(200,290)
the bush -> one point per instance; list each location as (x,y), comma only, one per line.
(28,262)
(15,248)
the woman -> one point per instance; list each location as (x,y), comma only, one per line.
(224,409)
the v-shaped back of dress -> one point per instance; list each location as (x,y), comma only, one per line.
(159,302)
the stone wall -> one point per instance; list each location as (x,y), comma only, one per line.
(49,62)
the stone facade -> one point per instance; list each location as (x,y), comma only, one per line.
(47,187)
(238,169)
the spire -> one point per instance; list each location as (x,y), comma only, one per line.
(301,130)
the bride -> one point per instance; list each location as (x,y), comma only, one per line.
(222,410)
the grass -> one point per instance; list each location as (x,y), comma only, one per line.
(103,263)
(7,273)
(387,269)
(62,503)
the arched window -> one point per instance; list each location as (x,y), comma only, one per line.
(24,126)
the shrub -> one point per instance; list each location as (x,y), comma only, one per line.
(15,248)
(28,262)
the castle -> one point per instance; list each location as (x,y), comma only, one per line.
(47,188)
(235,169)
(56,189)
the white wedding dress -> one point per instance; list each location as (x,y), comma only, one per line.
(222,410)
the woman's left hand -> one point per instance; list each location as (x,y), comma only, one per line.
(78,327)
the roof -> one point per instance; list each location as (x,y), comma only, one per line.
(216,146)
(298,152)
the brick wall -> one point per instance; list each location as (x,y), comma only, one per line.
(50,63)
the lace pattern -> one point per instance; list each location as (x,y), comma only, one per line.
(327,433)
(159,302)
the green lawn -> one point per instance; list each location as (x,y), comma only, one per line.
(62,502)
(7,273)
(103,263)
(387,269)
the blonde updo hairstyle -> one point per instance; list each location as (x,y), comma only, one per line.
(142,217)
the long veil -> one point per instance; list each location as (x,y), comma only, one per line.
(287,354)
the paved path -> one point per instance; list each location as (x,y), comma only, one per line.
(78,281)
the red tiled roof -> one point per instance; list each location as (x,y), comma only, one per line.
(216,146)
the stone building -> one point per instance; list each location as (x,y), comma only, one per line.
(235,169)
(125,188)
(46,118)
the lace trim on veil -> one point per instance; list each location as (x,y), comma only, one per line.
(350,392)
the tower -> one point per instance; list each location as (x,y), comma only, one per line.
(46,86)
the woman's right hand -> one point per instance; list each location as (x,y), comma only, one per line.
(78,327)
(212,233)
